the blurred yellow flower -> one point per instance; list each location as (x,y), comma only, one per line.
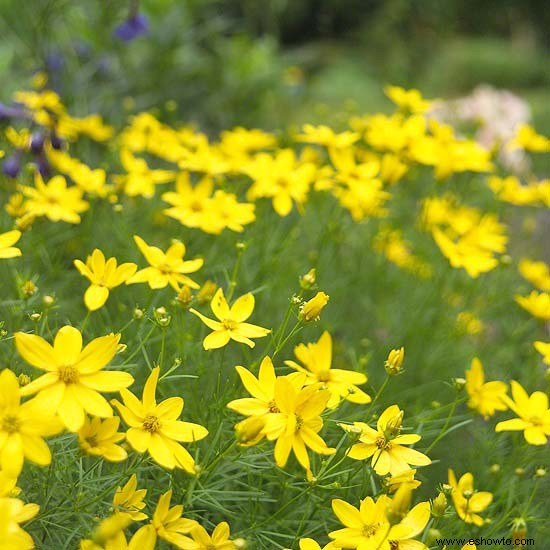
(408,100)
(7,240)
(54,200)
(13,512)
(537,304)
(129,499)
(537,273)
(485,397)
(219,540)
(544,349)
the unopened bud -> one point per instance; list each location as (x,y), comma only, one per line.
(540,472)
(433,536)
(184,297)
(138,313)
(519,528)
(206,292)
(459,383)
(394,361)
(439,505)
(308,280)
(29,288)
(48,300)
(23,380)
(249,430)
(35,317)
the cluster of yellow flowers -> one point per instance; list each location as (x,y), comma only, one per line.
(218,186)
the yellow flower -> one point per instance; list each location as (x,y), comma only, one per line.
(218,541)
(533,412)
(544,349)
(13,512)
(22,427)
(231,324)
(280,177)
(104,275)
(485,397)
(323,135)
(527,138)
(537,273)
(74,376)
(468,502)
(408,100)
(250,431)
(167,524)
(342,384)
(537,304)
(7,240)
(311,310)
(385,444)
(310,544)
(129,499)
(165,267)
(369,527)
(140,179)
(54,200)
(297,424)
(155,428)
(100,438)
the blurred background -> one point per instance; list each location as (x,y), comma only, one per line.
(272,63)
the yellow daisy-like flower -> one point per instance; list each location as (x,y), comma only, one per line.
(537,304)
(7,240)
(533,412)
(467,501)
(231,324)
(342,384)
(167,524)
(22,427)
(104,275)
(100,438)
(219,540)
(385,444)
(297,424)
(156,428)
(544,349)
(129,499)
(13,512)
(485,397)
(166,268)
(54,200)
(74,376)
(369,528)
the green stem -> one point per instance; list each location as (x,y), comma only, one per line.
(378,394)
(443,431)
(297,327)
(236,268)
(85,322)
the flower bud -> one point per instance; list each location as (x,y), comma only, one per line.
(400,504)
(184,297)
(29,289)
(35,317)
(519,528)
(393,427)
(48,300)
(23,380)
(439,505)
(138,313)
(395,361)
(459,383)
(206,292)
(540,472)
(432,536)
(308,280)
(310,310)
(248,431)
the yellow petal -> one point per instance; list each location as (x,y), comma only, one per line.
(67,345)
(216,339)
(219,305)
(242,309)
(36,351)
(95,297)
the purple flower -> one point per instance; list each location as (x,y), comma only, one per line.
(8,112)
(136,25)
(12,166)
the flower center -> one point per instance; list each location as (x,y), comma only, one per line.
(369,530)
(299,422)
(10,424)
(382,443)
(323,376)
(273,407)
(229,324)
(68,374)
(151,423)
(536,420)
(91,440)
